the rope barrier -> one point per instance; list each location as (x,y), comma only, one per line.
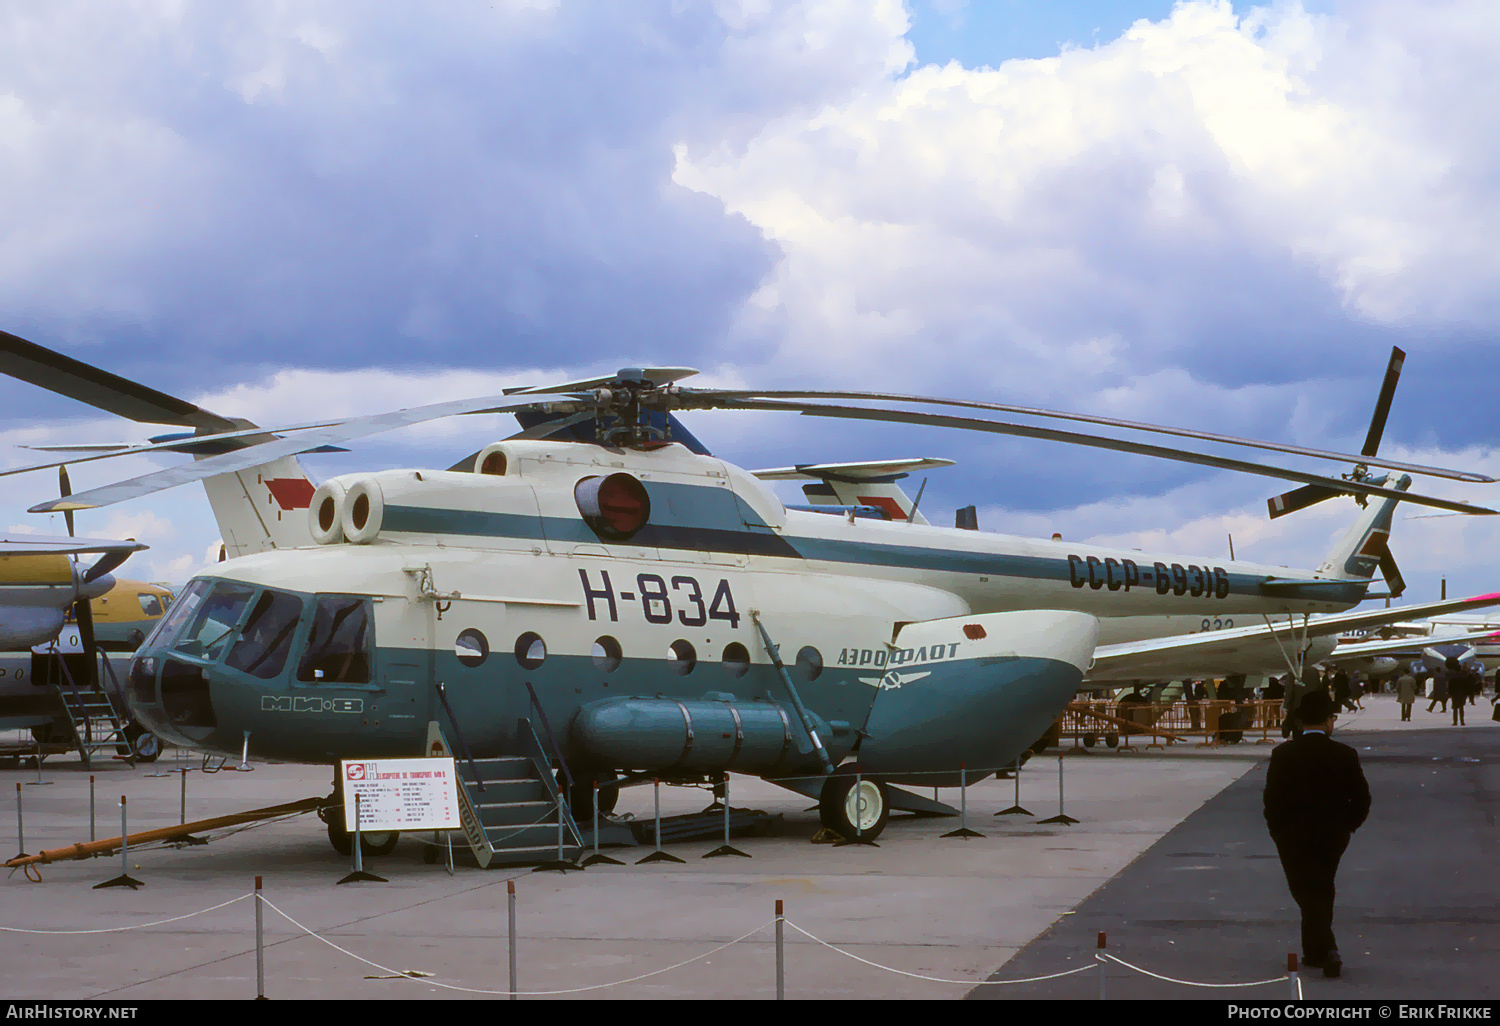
(1190,983)
(519,993)
(138,926)
(932,979)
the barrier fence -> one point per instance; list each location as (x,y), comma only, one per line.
(1203,724)
(1101,959)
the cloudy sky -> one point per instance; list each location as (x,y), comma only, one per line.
(1205,214)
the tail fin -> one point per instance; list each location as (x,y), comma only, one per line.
(1362,549)
(257,509)
(263,508)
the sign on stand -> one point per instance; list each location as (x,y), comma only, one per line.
(401,794)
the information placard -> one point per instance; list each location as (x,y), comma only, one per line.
(401,794)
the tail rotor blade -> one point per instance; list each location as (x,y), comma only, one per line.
(1383,404)
(65,489)
(1392,574)
(1299,498)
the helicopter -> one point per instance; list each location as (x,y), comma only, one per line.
(657,611)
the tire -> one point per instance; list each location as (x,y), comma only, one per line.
(1113,740)
(1090,740)
(143,745)
(373,843)
(836,806)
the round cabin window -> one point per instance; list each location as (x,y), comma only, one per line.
(809,663)
(736,659)
(681,657)
(471,647)
(607,654)
(531,650)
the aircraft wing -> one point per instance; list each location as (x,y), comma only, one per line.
(37,545)
(1362,649)
(1208,653)
(265,452)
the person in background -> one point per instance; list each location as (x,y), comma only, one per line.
(1439,690)
(1315,798)
(1406,694)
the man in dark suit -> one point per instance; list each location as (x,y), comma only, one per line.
(1315,798)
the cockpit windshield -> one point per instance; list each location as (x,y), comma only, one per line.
(217,617)
(266,639)
(339,644)
(186,604)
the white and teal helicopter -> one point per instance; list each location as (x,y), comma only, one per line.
(603,597)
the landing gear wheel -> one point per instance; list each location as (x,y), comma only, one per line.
(142,744)
(854,812)
(373,842)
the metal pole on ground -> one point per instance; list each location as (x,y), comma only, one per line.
(1061,816)
(558,864)
(260,948)
(124,879)
(1103,965)
(597,859)
(359,862)
(780,955)
(20,825)
(38,782)
(244,766)
(1016,810)
(91,808)
(658,855)
(182,805)
(963,807)
(1291,975)
(726,848)
(510,899)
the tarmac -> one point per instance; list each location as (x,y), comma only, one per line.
(1169,857)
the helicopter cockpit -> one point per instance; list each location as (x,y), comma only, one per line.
(233,643)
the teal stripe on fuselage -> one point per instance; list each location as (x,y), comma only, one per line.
(712,519)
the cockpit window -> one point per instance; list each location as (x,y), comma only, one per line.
(186,604)
(150,604)
(266,639)
(217,617)
(339,644)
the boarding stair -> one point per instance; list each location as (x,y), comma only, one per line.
(96,720)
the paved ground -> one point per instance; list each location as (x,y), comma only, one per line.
(1416,915)
(940,907)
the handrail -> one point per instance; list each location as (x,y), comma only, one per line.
(551,741)
(538,755)
(458,733)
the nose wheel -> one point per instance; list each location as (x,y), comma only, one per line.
(854,810)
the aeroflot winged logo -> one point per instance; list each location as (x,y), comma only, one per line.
(894,679)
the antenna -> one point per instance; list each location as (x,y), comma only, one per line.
(1231,548)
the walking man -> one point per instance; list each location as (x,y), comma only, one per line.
(1406,694)
(1315,798)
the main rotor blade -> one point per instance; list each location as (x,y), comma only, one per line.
(1383,403)
(101,389)
(172,445)
(690,394)
(255,455)
(1300,498)
(1095,442)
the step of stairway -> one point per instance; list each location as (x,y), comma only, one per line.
(513,814)
(509,767)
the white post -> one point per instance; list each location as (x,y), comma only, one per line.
(510,887)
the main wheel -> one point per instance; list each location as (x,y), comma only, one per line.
(852,811)
(143,745)
(372,842)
